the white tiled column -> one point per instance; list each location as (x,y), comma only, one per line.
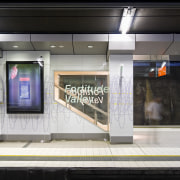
(121,87)
(121,99)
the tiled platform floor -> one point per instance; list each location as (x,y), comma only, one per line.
(152,147)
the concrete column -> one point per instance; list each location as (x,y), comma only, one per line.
(121,87)
(121,98)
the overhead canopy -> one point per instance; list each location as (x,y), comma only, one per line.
(88,17)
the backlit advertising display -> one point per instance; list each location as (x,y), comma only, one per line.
(25,87)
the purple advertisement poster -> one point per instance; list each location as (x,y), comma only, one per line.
(24,87)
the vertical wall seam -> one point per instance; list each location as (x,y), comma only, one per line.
(32,43)
(107,51)
(73,44)
(168,46)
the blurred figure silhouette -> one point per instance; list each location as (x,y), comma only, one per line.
(155,115)
(155,111)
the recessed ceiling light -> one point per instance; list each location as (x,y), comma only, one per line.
(61,46)
(90,46)
(52,46)
(15,46)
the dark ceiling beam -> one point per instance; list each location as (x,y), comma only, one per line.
(122,4)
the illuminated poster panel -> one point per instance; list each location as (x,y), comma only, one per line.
(24,87)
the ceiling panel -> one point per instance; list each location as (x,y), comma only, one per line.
(174,49)
(51,37)
(90,37)
(84,19)
(62,43)
(152,44)
(14,37)
(87,20)
(22,46)
(60,12)
(156,25)
(151,48)
(45,46)
(157,12)
(99,48)
(98,43)
(59,24)
(60,20)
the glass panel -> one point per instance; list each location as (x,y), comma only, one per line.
(156,93)
(87,94)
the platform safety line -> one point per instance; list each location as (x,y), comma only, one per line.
(90,156)
(177,127)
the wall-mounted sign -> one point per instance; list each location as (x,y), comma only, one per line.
(25,87)
(85,94)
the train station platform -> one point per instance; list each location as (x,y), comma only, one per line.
(155,151)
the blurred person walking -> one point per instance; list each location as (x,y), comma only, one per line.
(155,115)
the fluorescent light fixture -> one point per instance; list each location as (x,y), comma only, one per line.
(61,46)
(126,21)
(90,46)
(163,64)
(52,46)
